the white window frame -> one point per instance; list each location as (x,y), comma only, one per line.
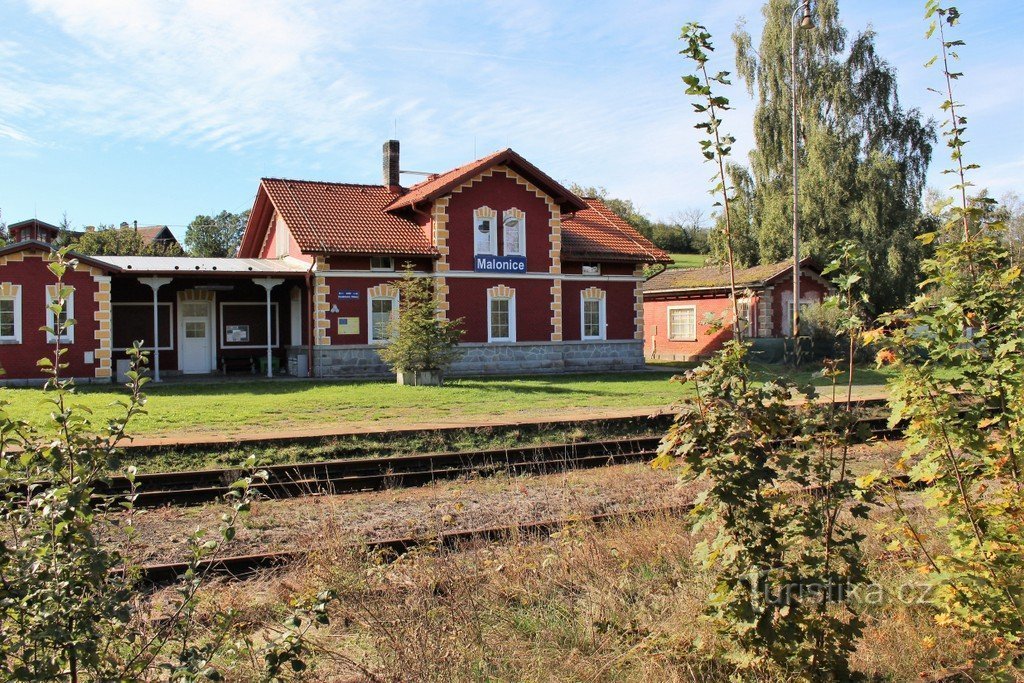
(148,305)
(492,248)
(389,268)
(787,323)
(511,319)
(275,333)
(595,269)
(669,312)
(68,333)
(370,338)
(602,322)
(764,315)
(16,337)
(521,217)
(746,322)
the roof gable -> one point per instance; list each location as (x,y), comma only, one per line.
(444,183)
(36,245)
(33,222)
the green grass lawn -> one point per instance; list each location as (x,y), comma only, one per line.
(266,407)
(688,260)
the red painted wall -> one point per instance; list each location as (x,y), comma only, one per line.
(499,192)
(352,262)
(809,289)
(656,341)
(19,360)
(620,298)
(347,308)
(576,268)
(468,300)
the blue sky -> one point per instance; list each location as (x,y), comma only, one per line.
(155,111)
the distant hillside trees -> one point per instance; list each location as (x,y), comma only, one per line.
(108,240)
(686,233)
(216,236)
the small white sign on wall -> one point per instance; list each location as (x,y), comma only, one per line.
(234,334)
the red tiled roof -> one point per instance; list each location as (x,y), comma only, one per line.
(598,233)
(717,277)
(345,218)
(442,184)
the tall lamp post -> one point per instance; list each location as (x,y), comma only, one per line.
(806,22)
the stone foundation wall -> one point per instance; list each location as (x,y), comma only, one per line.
(354,362)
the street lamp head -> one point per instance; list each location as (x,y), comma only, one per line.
(807,21)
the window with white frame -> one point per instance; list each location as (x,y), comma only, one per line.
(485,229)
(682,323)
(513,225)
(743,306)
(59,322)
(764,317)
(592,323)
(382,263)
(383,312)
(501,316)
(10,316)
(591,269)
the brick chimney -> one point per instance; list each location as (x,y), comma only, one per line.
(391,163)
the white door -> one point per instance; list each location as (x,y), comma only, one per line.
(196,337)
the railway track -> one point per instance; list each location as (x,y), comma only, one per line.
(353,475)
(241,567)
(374,473)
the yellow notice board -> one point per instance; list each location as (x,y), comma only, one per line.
(348,325)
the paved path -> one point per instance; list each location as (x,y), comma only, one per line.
(252,436)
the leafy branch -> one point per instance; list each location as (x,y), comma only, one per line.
(717,147)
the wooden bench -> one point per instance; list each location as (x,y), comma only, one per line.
(238,364)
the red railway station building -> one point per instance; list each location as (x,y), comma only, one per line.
(542,280)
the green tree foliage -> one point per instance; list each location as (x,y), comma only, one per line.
(216,236)
(785,562)
(420,340)
(116,241)
(5,236)
(959,351)
(862,158)
(71,607)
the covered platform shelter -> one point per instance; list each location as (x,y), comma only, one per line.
(210,315)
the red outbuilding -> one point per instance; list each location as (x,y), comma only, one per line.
(543,281)
(688,313)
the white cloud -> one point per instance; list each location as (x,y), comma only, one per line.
(590,92)
(217,74)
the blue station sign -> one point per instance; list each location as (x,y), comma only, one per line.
(486,263)
(348,294)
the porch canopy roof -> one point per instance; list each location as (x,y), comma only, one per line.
(188,265)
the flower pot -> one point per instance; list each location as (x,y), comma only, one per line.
(420,378)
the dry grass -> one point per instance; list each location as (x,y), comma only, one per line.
(616,603)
